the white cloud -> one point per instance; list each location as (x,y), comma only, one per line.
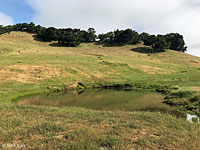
(5,20)
(154,16)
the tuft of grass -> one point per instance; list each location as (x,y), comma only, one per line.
(110,142)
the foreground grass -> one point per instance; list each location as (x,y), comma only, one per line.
(29,67)
(78,129)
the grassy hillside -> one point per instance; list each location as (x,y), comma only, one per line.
(29,66)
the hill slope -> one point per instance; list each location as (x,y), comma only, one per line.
(29,66)
(26,61)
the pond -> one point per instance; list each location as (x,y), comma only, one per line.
(111,100)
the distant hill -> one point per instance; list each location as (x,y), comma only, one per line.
(93,62)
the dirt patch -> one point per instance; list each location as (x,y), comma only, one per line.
(29,73)
(99,75)
(195,62)
(80,72)
(92,74)
(196,88)
(154,70)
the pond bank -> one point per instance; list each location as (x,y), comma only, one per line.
(183,104)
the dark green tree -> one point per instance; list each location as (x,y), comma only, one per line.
(144,36)
(70,37)
(124,37)
(92,35)
(31,28)
(9,28)
(24,27)
(89,36)
(127,36)
(176,42)
(136,37)
(107,37)
(48,34)
(73,37)
(150,40)
(38,28)
(18,27)
(160,45)
(102,37)
(2,29)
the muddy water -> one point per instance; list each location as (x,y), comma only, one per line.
(103,100)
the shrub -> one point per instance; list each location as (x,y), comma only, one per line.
(180,94)
(195,99)
(110,142)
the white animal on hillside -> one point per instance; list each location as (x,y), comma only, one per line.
(190,117)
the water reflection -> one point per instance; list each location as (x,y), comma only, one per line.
(104,100)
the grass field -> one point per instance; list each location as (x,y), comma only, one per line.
(29,67)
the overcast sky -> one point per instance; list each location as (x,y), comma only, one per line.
(152,16)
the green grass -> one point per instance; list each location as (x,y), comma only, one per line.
(89,64)
(78,128)
(29,67)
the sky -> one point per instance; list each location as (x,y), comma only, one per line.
(152,16)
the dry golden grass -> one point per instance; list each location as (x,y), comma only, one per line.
(154,70)
(26,73)
(196,88)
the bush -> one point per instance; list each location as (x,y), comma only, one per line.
(195,99)
(163,90)
(110,142)
(180,94)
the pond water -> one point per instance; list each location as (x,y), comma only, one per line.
(111,100)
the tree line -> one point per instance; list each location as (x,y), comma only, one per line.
(73,37)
